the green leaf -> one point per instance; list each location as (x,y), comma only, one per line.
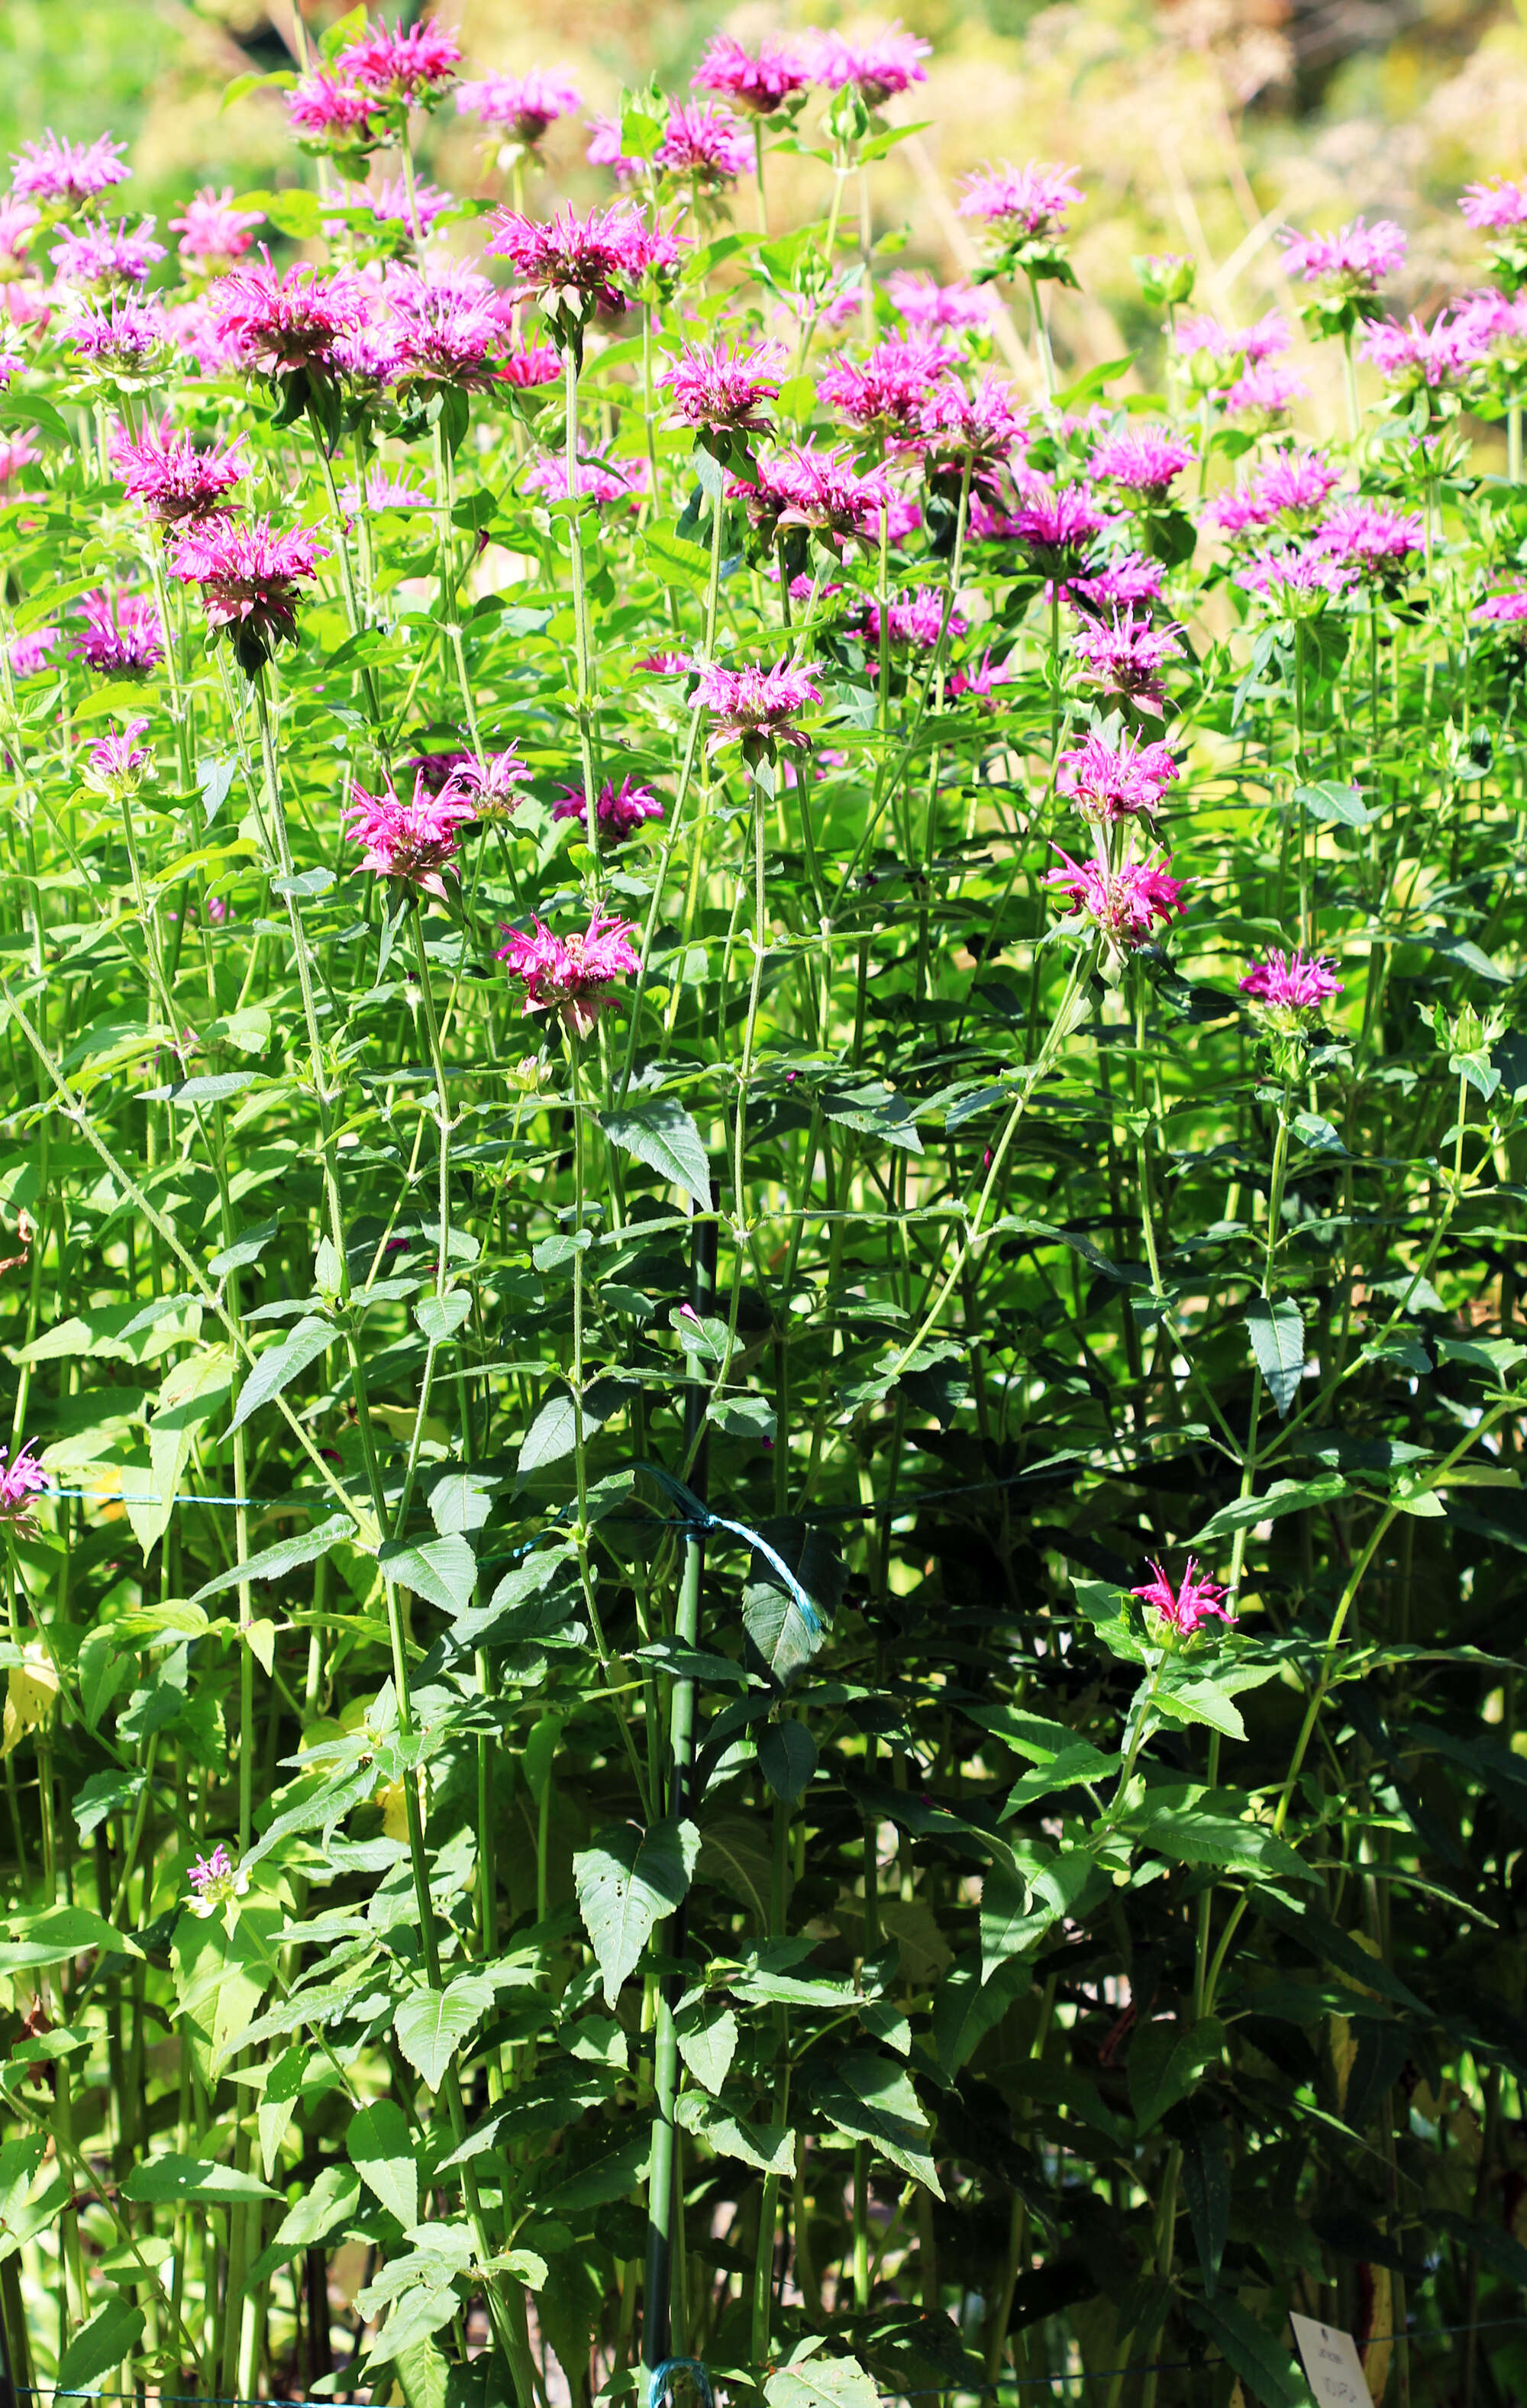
(379,2147)
(807,2380)
(1206,2186)
(1185,1832)
(1277,1341)
(613,2175)
(56,1933)
(279,1365)
(1256,2356)
(875,1109)
(662,1134)
(431,2025)
(1166,2062)
(1335,804)
(626,1881)
(769,2148)
(329,2202)
(278,2103)
(287,1555)
(553,1433)
(1284,1496)
(104,1794)
(163,2180)
(439,1317)
(221,1975)
(707,2038)
(788,1759)
(444,1570)
(871,2098)
(100,2346)
(784,1626)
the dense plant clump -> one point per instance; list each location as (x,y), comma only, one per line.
(763,1516)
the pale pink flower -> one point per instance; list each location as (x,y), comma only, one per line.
(213,234)
(412,841)
(118,760)
(1496,206)
(385,491)
(522,107)
(1142,463)
(1293,488)
(717,385)
(18,222)
(1368,537)
(913,620)
(1187,1608)
(571,975)
(706,146)
(104,257)
(761,84)
(487,785)
(1125,656)
(1057,524)
(120,636)
(618,810)
(889,386)
(68,173)
(1133,577)
(979,432)
(248,577)
(413,66)
(982,682)
(118,337)
(878,65)
(1354,260)
(1031,202)
(1295,582)
(1508,610)
(324,110)
(961,307)
(1292,984)
(32,653)
(1264,392)
(20,1479)
(448,330)
(1115,782)
(194,332)
(757,707)
(173,476)
(1413,355)
(216,1884)
(17,455)
(1268,339)
(393,205)
(1122,904)
(371,358)
(600,481)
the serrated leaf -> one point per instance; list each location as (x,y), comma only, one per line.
(100,2346)
(1284,1496)
(431,2025)
(444,1570)
(1166,2062)
(164,2179)
(662,1134)
(788,1759)
(627,1881)
(1277,1341)
(552,1434)
(329,2201)
(783,1617)
(707,2039)
(279,1365)
(439,1317)
(816,2381)
(379,2147)
(769,2148)
(287,1555)
(871,2098)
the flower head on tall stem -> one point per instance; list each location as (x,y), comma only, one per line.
(1439,358)
(877,66)
(1142,466)
(962,308)
(820,489)
(18,222)
(175,478)
(1262,395)
(1116,780)
(914,622)
(1122,904)
(488,786)
(65,175)
(1296,584)
(117,763)
(1055,525)
(1371,537)
(1128,577)
(22,1479)
(598,480)
(123,638)
(103,258)
(718,386)
(619,810)
(1495,206)
(762,84)
(1022,204)
(571,976)
(1125,656)
(963,434)
(216,1884)
(327,112)
(757,707)
(889,388)
(705,147)
(414,841)
(448,330)
(521,108)
(1344,270)
(572,266)
(214,234)
(1186,1609)
(249,577)
(289,325)
(411,66)
(124,342)
(1289,988)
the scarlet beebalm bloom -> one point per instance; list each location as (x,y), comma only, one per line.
(216,1884)
(1354,260)
(618,809)
(1122,904)
(1114,781)
(1495,206)
(67,173)
(122,635)
(117,762)
(1125,655)
(960,307)
(283,325)
(1031,201)
(522,107)
(487,785)
(1291,985)
(757,707)
(878,65)
(761,85)
(412,841)
(889,386)
(106,256)
(1186,1609)
(715,385)
(1142,463)
(173,477)
(413,66)
(213,234)
(571,975)
(248,577)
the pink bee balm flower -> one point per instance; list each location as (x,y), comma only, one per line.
(878,67)
(603,151)
(818,489)
(413,66)
(718,386)
(172,476)
(1268,339)
(248,577)
(1122,904)
(1496,206)
(705,146)
(1142,463)
(1186,1609)
(392,204)
(1031,202)
(283,325)
(912,620)
(571,975)
(414,841)
(448,330)
(213,234)
(1292,984)
(18,222)
(584,256)
(488,786)
(1264,393)
(324,110)
(664,665)
(1298,583)
(1370,538)
(757,707)
(600,481)
(216,1883)
(1133,577)
(761,84)
(1109,781)
(384,492)
(20,1479)
(67,173)
(32,653)
(1125,655)
(522,107)
(103,257)
(959,431)
(618,812)
(984,682)
(961,307)
(120,338)
(1057,524)
(526,366)
(16,456)
(117,761)
(1293,487)
(888,387)
(1412,355)
(122,636)
(1507,610)
(1355,260)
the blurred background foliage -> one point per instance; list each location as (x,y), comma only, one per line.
(1199,125)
